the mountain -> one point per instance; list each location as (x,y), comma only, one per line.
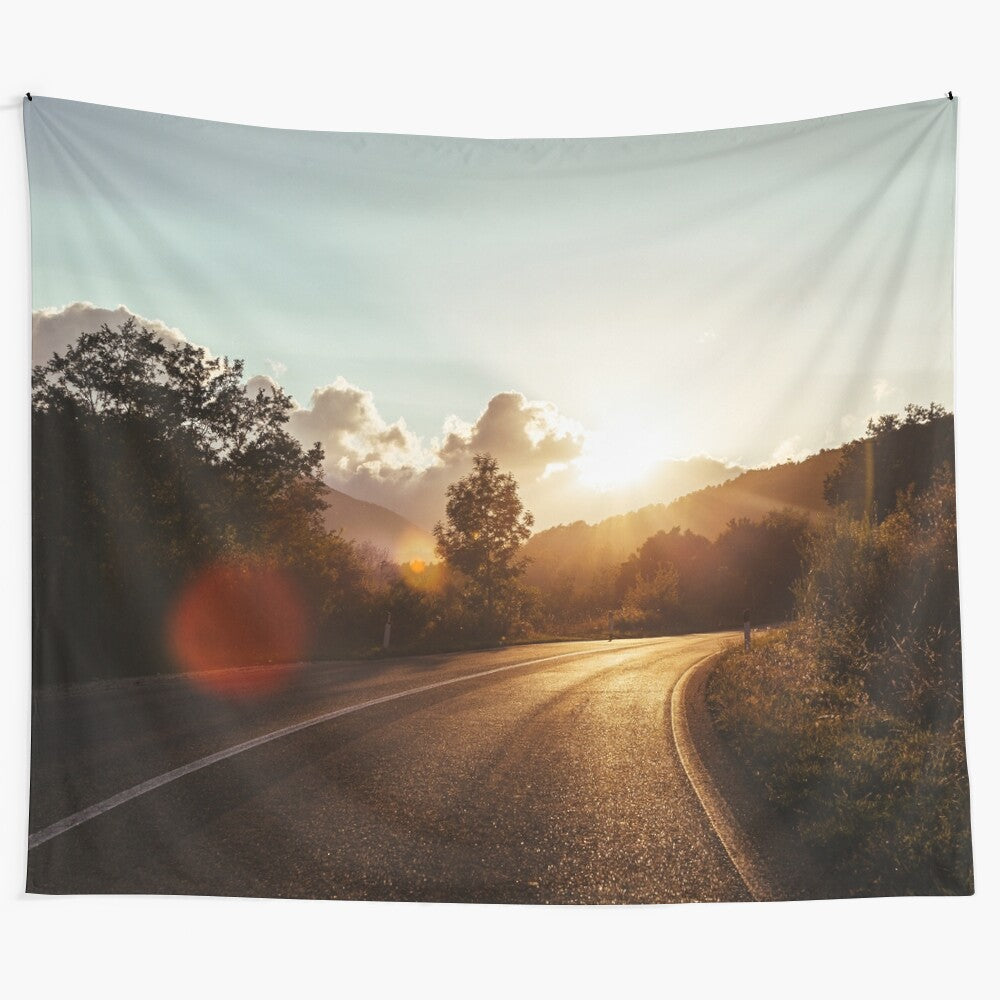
(796,485)
(579,550)
(362,521)
(665,481)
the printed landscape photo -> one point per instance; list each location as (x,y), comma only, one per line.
(536,521)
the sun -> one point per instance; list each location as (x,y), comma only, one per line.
(614,459)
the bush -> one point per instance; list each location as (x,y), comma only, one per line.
(882,799)
(881,604)
(852,717)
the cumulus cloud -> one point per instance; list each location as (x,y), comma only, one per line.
(258,382)
(525,435)
(344,419)
(56,329)
(387,463)
(384,461)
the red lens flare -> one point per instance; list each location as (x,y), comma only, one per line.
(238,629)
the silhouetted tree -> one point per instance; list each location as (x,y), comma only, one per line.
(485,526)
(150,461)
(758,564)
(897,454)
(751,562)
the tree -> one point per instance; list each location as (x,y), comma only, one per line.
(183,411)
(896,454)
(678,579)
(151,462)
(486,525)
(758,564)
(654,597)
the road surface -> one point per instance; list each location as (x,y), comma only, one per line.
(551,776)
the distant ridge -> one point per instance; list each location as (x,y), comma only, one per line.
(581,549)
(361,521)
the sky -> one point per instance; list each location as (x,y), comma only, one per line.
(614,318)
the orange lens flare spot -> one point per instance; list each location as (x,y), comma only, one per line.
(417,566)
(236,630)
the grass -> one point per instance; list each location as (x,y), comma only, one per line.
(880,796)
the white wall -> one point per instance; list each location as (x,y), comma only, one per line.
(502,69)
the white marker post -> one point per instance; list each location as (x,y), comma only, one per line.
(388,630)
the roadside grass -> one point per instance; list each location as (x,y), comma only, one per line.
(879,796)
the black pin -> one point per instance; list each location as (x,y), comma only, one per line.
(28,95)
(951,96)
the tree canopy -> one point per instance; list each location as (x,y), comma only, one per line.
(151,462)
(677,580)
(896,455)
(183,400)
(485,526)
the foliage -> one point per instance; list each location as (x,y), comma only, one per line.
(881,800)
(883,600)
(485,526)
(752,563)
(653,597)
(852,717)
(170,408)
(898,453)
(150,462)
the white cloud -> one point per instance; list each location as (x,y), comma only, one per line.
(790,450)
(56,329)
(344,419)
(387,463)
(384,461)
(525,435)
(258,382)
(881,389)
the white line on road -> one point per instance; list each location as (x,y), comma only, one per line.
(91,812)
(733,838)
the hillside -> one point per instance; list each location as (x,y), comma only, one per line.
(581,549)
(361,521)
(665,481)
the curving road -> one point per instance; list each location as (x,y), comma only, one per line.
(531,774)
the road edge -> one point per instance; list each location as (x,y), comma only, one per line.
(690,722)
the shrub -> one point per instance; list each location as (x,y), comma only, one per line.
(852,717)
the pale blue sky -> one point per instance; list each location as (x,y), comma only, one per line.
(731,293)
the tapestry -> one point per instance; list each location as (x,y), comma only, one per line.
(496,521)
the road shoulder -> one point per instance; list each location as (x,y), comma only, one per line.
(769,857)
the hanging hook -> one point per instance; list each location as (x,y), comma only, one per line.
(28,95)
(951,96)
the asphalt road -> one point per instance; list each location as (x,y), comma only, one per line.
(556,781)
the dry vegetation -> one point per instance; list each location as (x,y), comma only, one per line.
(852,716)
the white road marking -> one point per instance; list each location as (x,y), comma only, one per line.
(735,841)
(99,808)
